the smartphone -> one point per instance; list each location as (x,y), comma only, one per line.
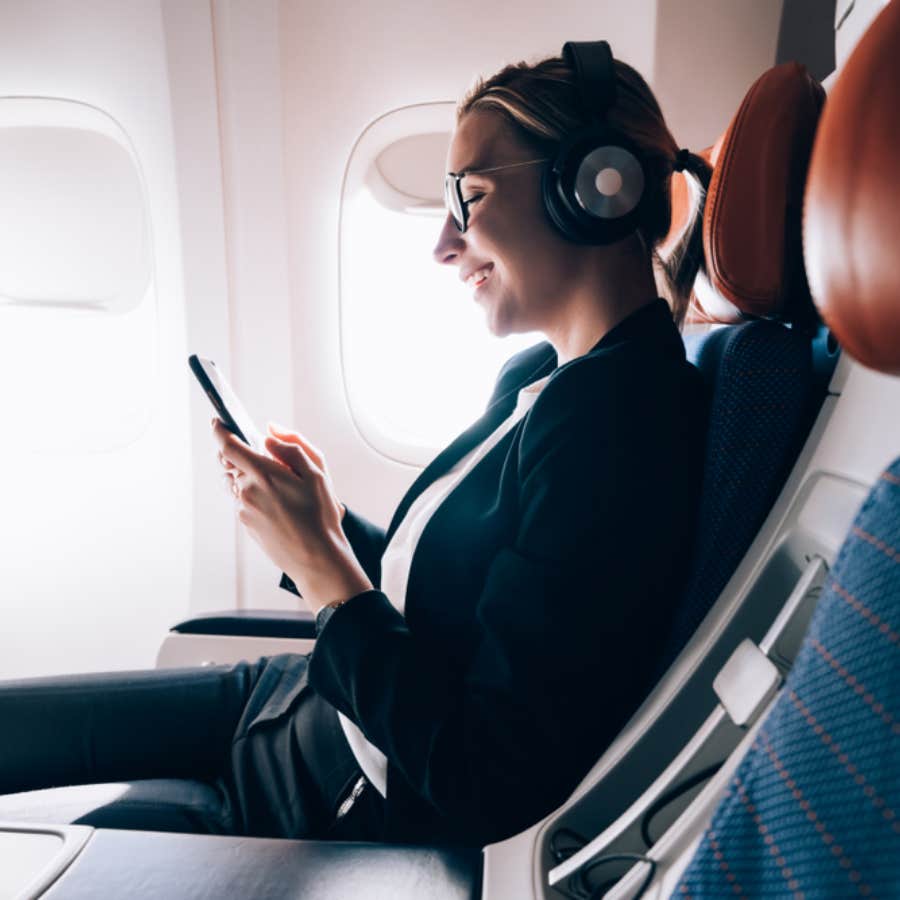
(225,402)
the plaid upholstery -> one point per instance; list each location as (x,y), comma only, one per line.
(814,808)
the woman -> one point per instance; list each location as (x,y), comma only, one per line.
(532,567)
(475,660)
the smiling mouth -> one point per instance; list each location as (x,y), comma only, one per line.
(480,276)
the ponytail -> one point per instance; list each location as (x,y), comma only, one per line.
(685,260)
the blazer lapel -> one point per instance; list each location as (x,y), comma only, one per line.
(450,455)
(501,407)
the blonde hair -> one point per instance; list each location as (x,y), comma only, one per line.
(542,104)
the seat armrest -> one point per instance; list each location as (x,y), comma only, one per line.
(231,635)
(269,623)
(148,865)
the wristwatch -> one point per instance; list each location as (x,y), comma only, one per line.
(325,613)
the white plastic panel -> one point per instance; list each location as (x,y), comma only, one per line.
(674,849)
(26,855)
(406,174)
(34,856)
(254,301)
(746,683)
(783,640)
(77,305)
(73,223)
(180,650)
(77,382)
(96,536)
(851,19)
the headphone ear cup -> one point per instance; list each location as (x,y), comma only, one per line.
(555,206)
(594,190)
(608,183)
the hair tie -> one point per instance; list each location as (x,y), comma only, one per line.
(682,160)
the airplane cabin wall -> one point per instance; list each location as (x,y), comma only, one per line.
(706,57)
(242,117)
(96,535)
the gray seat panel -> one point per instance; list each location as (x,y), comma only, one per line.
(148,866)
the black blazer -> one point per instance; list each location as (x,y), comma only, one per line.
(539,594)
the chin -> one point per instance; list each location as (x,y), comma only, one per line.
(499,327)
(498,324)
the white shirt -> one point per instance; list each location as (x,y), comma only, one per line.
(397,558)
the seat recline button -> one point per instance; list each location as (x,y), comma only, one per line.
(746,683)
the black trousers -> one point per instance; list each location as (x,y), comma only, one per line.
(258,733)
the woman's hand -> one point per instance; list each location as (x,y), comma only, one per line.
(288,506)
(292,437)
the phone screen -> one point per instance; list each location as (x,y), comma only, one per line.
(226,403)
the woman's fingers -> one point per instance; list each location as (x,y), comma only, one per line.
(252,476)
(230,483)
(293,455)
(228,466)
(292,437)
(282,443)
(234,451)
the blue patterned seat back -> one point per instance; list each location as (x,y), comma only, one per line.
(814,808)
(762,393)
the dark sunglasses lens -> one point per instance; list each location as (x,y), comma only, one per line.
(453,202)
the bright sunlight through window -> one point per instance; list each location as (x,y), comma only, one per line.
(419,360)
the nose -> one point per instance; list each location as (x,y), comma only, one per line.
(450,244)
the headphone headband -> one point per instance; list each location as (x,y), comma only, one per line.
(592,62)
(594,189)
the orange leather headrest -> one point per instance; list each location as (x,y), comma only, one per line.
(752,236)
(852,217)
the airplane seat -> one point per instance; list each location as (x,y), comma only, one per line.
(764,397)
(813,808)
(764,391)
(809,805)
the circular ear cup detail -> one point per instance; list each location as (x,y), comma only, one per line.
(609,182)
(594,190)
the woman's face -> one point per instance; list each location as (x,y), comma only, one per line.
(520,270)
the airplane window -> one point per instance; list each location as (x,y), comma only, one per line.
(77,304)
(411,332)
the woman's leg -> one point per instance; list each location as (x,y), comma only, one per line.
(272,748)
(83,729)
(291,773)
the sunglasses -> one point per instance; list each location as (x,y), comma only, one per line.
(453,198)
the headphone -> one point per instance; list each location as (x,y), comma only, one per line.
(594,189)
